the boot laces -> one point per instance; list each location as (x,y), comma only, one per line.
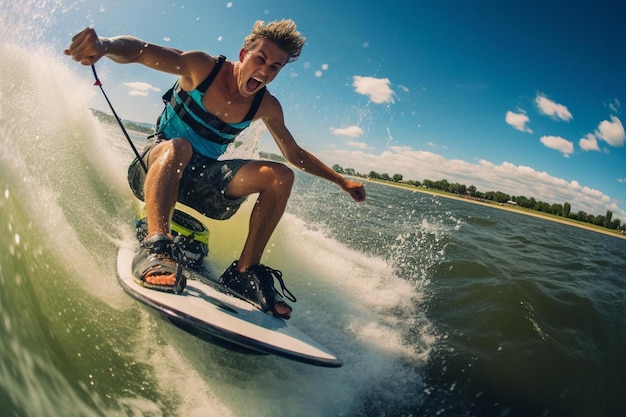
(274,273)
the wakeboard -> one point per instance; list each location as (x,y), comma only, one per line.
(206,310)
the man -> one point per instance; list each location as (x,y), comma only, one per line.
(213,100)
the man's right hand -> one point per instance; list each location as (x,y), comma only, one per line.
(86,48)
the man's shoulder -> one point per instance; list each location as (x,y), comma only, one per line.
(200,59)
(270,106)
(199,65)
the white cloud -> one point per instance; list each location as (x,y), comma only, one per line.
(139,88)
(552,109)
(435,145)
(615,105)
(558,143)
(377,89)
(358,145)
(589,143)
(350,131)
(612,132)
(404,88)
(485,175)
(518,121)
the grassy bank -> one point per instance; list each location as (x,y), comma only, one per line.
(508,207)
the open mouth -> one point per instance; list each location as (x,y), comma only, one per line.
(253,83)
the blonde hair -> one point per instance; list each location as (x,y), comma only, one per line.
(282,32)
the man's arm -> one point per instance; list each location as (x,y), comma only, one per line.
(300,157)
(87,48)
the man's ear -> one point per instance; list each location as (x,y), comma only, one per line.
(242,54)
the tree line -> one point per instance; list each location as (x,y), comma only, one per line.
(146,128)
(561,210)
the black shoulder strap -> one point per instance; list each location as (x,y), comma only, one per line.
(204,85)
(256,103)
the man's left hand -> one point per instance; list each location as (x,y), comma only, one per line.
(355,189)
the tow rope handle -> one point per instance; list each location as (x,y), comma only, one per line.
(119,121)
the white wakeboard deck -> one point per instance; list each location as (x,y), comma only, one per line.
(206,310)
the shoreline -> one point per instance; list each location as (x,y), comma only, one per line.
(510,208)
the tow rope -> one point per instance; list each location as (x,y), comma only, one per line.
(119,121)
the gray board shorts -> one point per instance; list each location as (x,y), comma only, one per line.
(201,186)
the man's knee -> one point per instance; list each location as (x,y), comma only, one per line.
(176,150)
(280,173)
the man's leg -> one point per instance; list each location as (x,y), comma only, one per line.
(273,182)
(166,164)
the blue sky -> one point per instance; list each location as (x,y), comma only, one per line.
(522,97)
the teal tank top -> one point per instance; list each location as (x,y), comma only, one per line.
(185,116)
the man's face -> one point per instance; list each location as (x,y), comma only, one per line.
(259,66)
